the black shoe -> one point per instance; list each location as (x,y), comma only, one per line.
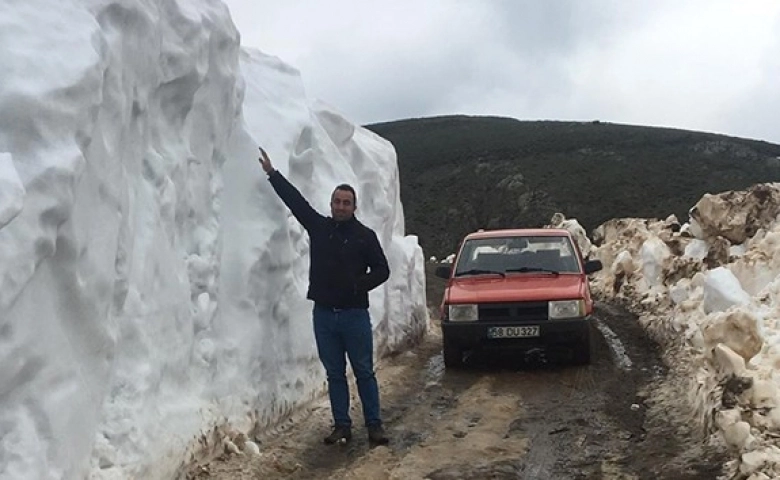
(376,435)
(340,434)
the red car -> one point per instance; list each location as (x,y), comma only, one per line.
(517,288)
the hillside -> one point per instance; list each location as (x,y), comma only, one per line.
(459,173)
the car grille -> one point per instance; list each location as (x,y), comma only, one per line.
(513,312)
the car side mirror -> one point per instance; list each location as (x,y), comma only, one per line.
(443,272)
(593,266)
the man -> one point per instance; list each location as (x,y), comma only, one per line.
(346,263)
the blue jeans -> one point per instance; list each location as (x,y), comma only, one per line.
(342,333)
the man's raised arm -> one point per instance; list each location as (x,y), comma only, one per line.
(290,195)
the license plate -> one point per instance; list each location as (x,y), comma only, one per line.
(513,332)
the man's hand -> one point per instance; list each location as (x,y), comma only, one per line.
(265,162)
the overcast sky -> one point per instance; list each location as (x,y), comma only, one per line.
(710,65)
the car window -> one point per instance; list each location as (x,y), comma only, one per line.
(518,254)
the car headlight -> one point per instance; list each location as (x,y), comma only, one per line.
(566,309)
(463,313)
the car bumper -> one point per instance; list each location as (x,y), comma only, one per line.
(469,335)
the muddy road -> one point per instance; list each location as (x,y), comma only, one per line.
(503,417)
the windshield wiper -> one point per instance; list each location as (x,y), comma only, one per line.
(477,271)
(532,269)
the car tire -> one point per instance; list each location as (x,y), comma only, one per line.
(453,354)
(581,351)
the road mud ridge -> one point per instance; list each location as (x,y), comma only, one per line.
(508,416)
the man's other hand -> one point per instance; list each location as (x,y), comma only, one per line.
(265,162)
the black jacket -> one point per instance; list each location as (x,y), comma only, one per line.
(346,258)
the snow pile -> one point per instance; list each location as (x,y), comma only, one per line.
(577,231)
(712,286)
(151,284)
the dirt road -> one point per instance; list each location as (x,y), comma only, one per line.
(503,417)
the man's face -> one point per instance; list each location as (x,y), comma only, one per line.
(342,205)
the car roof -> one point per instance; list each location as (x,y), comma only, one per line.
(520,232)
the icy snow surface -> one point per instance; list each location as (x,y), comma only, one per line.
(151,284)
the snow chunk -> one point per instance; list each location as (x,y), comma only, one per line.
(696,249)
(736,329)
(722,290)
(737,215)
(764,394)
(577,231)
(654,254)
(623,263)
(738,435)
(678,293)
(729,362)
(759,267)
(724,418)
(753,461)
(737,250)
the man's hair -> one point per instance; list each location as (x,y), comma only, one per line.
(347,188)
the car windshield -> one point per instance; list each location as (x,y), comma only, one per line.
(517,254)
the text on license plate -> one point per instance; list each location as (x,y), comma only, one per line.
(513,332)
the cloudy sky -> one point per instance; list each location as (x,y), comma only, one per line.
(710,65)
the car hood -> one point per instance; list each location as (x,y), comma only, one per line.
(515,288)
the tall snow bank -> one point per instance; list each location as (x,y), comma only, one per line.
(151,284)
(713,286)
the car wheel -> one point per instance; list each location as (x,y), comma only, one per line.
(581,351)
(453,354)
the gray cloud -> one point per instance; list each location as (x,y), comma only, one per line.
(698,64)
